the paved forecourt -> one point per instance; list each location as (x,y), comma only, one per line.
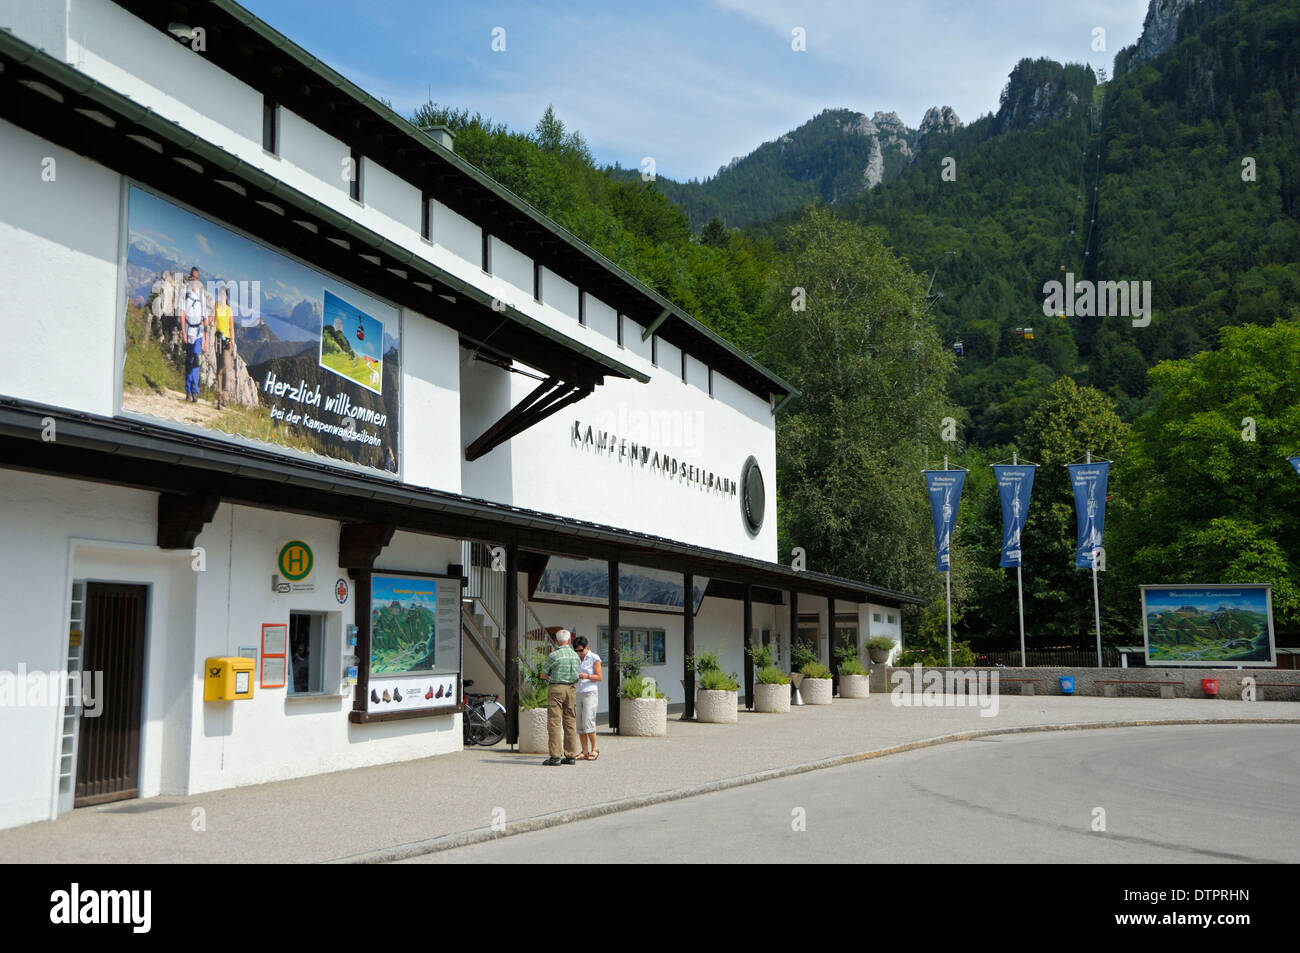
(395,811)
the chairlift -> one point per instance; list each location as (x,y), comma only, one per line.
(959,349)
(361,331)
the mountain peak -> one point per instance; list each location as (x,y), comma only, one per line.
(939,119)
(1159,29)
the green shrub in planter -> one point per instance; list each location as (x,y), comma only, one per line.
(716,680)
(852,666)
(534,689)
(704,662)
(815,670)
(804,655)
(761,655)
(639,687)
(881,643)
(771,675)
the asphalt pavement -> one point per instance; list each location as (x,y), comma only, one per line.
(1193,794)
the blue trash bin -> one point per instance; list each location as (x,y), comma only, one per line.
(1067,684)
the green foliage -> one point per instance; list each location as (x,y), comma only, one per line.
(533,688)
(762,655)
(1209,504)
(815,670)
(881,643)
(639,686)
(716,680)
(630,664)
(704,662)
(852,666)
(803,654)
(771,675)
(872,372)
(930,644)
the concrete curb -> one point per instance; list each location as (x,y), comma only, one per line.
(540,822)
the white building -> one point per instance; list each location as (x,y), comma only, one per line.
(448,418)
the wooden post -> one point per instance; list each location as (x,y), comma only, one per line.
(512,644)
(615,645)
(688,643)
(834,665)
(749,659)
(794,620)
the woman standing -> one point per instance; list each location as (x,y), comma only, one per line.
(589,677)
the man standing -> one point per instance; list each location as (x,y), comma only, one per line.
(194,319)
(561,670)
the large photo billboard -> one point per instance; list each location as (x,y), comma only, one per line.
(1209,625)
(225,335)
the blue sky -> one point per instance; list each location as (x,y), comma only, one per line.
(694,84)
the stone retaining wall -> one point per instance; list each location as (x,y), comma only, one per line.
(1270,684)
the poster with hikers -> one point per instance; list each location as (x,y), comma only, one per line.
(227,336)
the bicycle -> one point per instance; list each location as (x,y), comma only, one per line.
(484,719)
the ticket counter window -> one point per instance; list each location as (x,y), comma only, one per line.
(306,652)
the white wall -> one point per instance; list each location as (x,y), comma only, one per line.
(60,530)
(41,516)
(513,267)
(430,418)
(390,195)
(59,283)
(553,474)
(313,150)
(275,736)
(462,238)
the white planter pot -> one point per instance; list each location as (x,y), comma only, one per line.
(816,691)
(716,707)
(643,717)
(771,698)
(532,731)
(855,686)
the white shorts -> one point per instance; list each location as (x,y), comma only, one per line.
(587,702)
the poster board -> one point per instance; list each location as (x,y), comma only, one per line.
(1206,626)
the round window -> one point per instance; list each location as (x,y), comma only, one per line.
(753,498)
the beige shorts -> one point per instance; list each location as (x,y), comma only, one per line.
(587,702)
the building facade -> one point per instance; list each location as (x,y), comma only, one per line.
(396,425)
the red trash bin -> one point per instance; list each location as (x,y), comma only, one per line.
(1211,687)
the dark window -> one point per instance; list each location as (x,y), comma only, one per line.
(620,329)
(582,308)
(354,187)
(270,126)
(654,349)
(710,382)
(487,252)
(426,217)
(683,367)
(537,282)
(306,652)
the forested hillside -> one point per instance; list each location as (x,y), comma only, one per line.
(1182,171)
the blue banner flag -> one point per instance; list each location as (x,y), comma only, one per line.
(1015,483)
(945,495)
(1089,482)
(1295,462)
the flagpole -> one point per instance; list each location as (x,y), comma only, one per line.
(1020,587)
(1096,598)
(948,583)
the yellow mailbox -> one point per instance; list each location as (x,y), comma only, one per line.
(227,678)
